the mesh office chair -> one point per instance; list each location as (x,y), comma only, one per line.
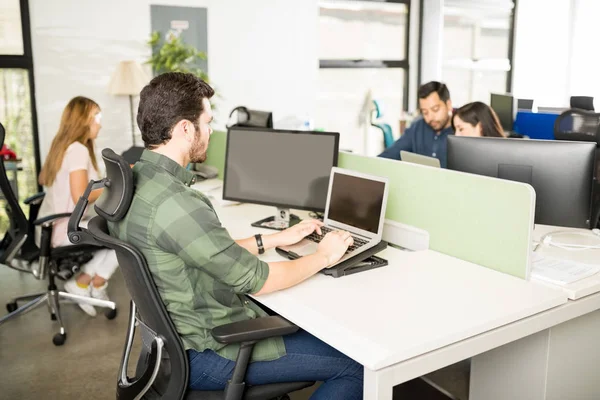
(582,102)
(19,251)
(583,126)
(162,369)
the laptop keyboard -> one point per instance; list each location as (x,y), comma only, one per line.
(315,237)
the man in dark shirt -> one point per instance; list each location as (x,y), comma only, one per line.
(427,134)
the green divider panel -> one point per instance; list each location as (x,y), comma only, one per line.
(216,151)
(479,219)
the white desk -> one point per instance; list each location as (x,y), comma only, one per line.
(422,312)
(581,288)
(560,360)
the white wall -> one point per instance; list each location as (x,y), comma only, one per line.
(432,40)
(261,53)
(584,79)
(543,51)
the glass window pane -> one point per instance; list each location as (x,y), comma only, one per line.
(459,84)
(475,53)
(467,85)
(362,30)
(15,116)
(11,35)
(342,98)
(487,82)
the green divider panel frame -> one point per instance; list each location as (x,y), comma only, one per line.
(479,219)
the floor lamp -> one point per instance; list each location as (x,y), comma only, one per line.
(128,79)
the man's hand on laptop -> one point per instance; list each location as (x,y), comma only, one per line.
(296,233)
(334,245)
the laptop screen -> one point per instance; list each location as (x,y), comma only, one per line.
(356,201)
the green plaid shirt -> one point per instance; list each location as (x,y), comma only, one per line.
(201,273)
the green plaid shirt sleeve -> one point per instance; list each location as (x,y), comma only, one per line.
(187,226)
(201,273)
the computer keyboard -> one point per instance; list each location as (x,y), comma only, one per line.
(315,237)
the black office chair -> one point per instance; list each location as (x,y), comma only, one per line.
(583,126)
(582,102)
(162,369)
(19,251)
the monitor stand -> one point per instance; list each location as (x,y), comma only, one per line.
(283,219)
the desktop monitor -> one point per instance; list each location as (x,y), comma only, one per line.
(525,104)
(503,105)
(561,172)
(281,168)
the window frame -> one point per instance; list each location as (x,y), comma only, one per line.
(378,63)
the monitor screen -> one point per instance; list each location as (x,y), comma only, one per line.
(561,172)
(502,104)
(356,201)
(287,169)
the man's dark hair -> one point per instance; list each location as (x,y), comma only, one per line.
(166,100)
(434,87)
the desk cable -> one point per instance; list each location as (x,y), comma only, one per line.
(547,240)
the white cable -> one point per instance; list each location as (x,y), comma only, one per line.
(547,240)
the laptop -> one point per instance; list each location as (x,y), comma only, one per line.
(419,159)
(356,203)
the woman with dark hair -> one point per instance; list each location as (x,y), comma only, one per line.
(476,119)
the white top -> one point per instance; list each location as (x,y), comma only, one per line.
(58,196)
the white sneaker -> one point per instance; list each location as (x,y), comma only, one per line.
(71,287)
(99,292)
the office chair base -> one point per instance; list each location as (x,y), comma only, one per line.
(53,298)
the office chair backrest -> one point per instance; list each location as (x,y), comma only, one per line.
(154,319)
(582,102)
(578,125)
(584,126)
(17,232)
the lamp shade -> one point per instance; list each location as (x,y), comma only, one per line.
(128,79)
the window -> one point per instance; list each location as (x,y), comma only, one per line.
(17,102)
(11,35)
(477,49)
(363,52)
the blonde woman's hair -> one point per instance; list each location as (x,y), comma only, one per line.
(74,127)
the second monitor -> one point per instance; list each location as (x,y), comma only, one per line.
(285,169)
(561,172)
(503,105)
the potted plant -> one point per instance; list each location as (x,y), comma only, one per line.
(174,55)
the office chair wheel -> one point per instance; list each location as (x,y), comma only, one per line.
(59,339)
(110,313)
(10,307)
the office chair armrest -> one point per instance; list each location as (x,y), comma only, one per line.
(35,199)
(48,218)
(253,330)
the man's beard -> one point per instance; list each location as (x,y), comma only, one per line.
(442,124)
(198,151)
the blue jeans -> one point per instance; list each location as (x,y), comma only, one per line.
(307,359)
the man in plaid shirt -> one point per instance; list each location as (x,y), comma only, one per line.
(202,274)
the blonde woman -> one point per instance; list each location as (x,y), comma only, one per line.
(70,164)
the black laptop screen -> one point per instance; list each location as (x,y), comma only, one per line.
(356,201)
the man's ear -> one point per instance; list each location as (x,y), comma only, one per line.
(449,106)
